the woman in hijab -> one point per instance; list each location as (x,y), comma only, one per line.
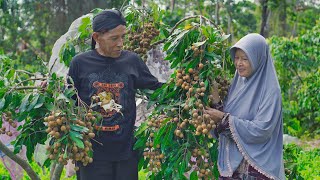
(250,129)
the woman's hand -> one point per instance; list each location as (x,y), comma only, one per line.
(215,115)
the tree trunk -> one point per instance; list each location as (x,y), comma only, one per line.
(283,18)
(199,7)
(172,4)
(230,30)
(217,13)
(57,171)
(264,18)
(25,165)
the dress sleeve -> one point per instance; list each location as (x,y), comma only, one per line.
(145,79)
(260,129)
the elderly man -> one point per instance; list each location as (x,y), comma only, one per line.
(107,69)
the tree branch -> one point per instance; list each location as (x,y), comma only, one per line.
(35,50)
(31,173)
(32,79)
(179,22)
(26,87)
(27,72)
(294,71)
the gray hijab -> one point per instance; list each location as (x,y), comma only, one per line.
(255,120)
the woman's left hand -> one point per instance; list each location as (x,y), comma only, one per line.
(215,114)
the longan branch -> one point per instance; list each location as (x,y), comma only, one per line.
(32,79)
(26,72)
(178,23)
(26,87)
(32,174)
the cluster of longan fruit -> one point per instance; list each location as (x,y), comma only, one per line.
(196,50)
(201,160)
(202,122)
(153,153)
(140,41)
(223,85)
(180,125)
(189,80)
(62,147)
(8,118)
(155,122)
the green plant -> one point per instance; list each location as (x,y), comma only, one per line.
(177,134)
(300,163)
(45,112)
(297,64)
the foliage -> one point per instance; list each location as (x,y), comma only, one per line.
(301,164)
(176,135)
(27,33)
(4,173)
(240,16)
(299,80)
(145,29)
(29,28)
(49,113)
(44,173)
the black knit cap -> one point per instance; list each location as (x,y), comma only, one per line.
(105,21)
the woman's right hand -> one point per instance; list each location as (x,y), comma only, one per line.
(214,114)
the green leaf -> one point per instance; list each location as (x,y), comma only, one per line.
(54,76)
(224,37)
(171,94)
(24,103)
(174,63)
(22,116)
(140,143)
(79,128)
(197,44)
(77,140)
(169,135)
(182,167)
(29,149)
(49,106)
(62,96)
(10,73)
(193,175)
(34,102)
(150,104)
(141,164)
(39,102)
(141,129)
(2,103)
(158,135)
(69,92)
(75,134)
(177,39)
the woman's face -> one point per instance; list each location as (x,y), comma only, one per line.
(242,63)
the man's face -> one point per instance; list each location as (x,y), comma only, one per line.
(242,63)
(110,42)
